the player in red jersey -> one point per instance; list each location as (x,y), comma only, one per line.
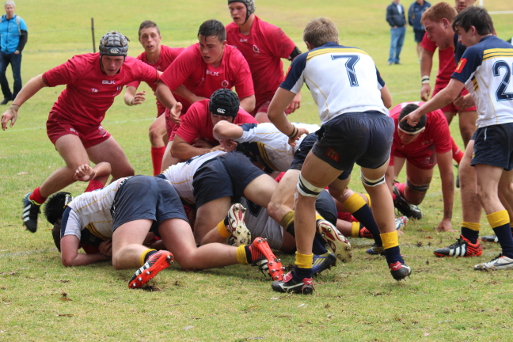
(263,45)
(437,21)
(200,70)
(74,124)
(195,135)
(422,147)
(160,57)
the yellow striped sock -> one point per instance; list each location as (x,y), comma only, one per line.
(143,255)
(471,225)
(369,203)
(354,202)
(355,229)
(240,254)
(287,219)
(223,230)
(498,218)
(390,239)
(303,260)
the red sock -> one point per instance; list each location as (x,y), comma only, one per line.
(36,196)
(400,187)
(457,154)
(94,185)
(157,153)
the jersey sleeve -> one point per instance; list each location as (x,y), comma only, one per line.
(145,73)
(66,73)
(280,45)
(188,129)
(442,135)
(179,70)
(295,78)
(248,132)
(469,62)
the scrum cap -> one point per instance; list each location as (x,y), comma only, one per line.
(113,43)
(250,6)
(224,102)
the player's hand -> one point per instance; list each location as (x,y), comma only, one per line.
(11,114)
(139,98)
(464,102)
(106,248)
(301,131)
(228,144)
(217,148)
(413,118)
(84,173)
(294,105)
(425,91)
(445,226)
(175,112)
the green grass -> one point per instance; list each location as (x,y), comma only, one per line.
(445,299)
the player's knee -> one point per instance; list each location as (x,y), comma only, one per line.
(372,182)
(306,188)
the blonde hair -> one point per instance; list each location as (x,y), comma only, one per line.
(319,32)
(439,11)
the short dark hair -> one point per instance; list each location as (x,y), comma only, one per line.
(405,126)
(213,28)
(56,205)
(56,234)
(474,16)
(147,24)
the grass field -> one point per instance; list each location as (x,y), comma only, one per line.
(40,300)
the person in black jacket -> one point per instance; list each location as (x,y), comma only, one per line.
(397,21)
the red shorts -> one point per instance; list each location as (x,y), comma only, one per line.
(450,107)
(425,160)
(264,107)
(89,135)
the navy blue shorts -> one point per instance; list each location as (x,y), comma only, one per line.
(419,35)
(226,175)
(362,138)
(493,145)
(146,197)
(301,153)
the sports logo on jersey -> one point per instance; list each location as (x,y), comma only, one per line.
(225,84)
(243,40)
(332,154)
(221,110)
(94,90)
(256,49)
(108,82)
(213,73)
(461,65)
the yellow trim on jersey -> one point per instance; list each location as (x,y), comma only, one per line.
(92,229)
(323,95)
(497,53)
(265,156)
(321,52)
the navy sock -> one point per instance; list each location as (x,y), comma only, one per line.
(469,234)
(364,215)
(505,239)
(393,255)
(301,273)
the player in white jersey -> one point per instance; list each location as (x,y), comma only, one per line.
(126,210)
(263,143)
(485,70)
(356,128)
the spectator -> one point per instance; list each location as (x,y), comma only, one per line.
(397,22)
(414,15)
(13,37)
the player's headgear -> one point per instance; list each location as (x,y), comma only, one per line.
(250,6)
(224,102)
(114,43)
(405,126)
(55,206)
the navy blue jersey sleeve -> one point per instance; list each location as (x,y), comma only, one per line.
(295,73)
(469,62)
(248,126)
(380,80)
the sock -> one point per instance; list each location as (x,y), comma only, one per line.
(36,197)
(145,255)
(457,154)
(400,187)
(470,231)
(391,245)
(157,153)
(362,212)
(93,185)
(241,253)
(287,220)
(303,266)
(500,223)
(223,230)
(355,229)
